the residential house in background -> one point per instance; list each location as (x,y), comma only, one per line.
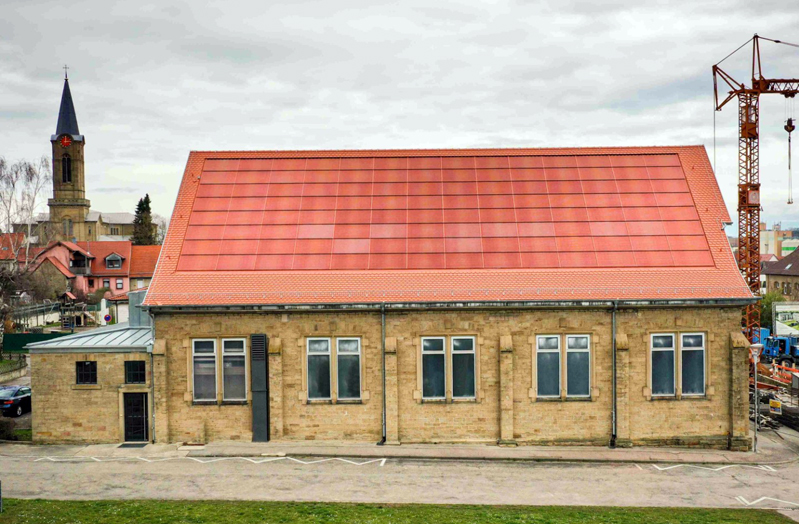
(783,276)
(86,267)
(142,266)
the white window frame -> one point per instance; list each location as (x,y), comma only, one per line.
(120,284)
(560,363)
(703,349)
(452,354)
(246,368)
(652,349)
(216,371)
(566,364)
(446,370)
(308,365)
(139,283)
(360,374)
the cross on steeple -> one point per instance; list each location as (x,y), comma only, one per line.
(65,72)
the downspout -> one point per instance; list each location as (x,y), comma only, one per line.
(152,397)
(383,351)
(152,378)
(613,416)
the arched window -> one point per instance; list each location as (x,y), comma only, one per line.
(67,223)
(66,169)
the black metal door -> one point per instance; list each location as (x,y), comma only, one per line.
(135,417)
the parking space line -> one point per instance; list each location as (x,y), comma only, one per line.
(209,460)
(709,468)
(745,502)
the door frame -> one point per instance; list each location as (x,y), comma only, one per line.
(146,416)
(137,388)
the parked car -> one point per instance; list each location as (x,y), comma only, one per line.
(15,400)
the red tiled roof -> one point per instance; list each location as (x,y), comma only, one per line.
(124,297)
(143,260)
(10,243)
(75,247)
(100,250)
(445,225)
(58,265)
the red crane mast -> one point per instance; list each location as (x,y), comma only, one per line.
(749,168)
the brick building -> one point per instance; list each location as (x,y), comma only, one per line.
(557,296)
(94,386)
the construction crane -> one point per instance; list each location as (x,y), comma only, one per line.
(749,166)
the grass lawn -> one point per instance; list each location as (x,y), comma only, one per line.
(24,434)
(167,512)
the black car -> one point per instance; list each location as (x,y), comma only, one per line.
(15,400)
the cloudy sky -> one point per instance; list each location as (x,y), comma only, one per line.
(153,81)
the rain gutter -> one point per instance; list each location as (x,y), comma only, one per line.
(472,304)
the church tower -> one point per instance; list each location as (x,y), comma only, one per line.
(69,206)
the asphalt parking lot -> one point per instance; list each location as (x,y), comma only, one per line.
(39,475)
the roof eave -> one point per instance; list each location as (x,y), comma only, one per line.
(464,304)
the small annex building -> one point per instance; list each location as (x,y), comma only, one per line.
(511,296)
(95,386)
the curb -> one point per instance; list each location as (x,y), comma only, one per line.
(318,454)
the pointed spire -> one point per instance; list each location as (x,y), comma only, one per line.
(67,120)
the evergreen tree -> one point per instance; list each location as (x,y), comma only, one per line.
(143,227)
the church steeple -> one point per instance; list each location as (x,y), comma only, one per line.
(67,119)
(69,206)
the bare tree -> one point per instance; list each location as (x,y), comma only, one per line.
(22,187)
(161,225)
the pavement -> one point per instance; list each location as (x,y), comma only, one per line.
(168,471)
(771,450)
(434,474)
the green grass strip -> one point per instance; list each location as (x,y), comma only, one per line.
(234,512)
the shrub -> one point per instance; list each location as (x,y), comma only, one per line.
(7,429)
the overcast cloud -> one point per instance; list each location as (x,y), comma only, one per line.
(153,81)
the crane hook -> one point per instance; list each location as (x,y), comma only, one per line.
(789,127)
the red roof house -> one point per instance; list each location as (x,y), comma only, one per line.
(278,227)
(143,260)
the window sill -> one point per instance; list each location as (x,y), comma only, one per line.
(319,401)
(683,397)
(203,402)
(434,401)
(235,402)
(471,400)
(567,399)
(349,401)
(87,386)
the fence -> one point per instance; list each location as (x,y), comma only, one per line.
(13,364)
(15,342)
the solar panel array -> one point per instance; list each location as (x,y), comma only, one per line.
(465,212)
